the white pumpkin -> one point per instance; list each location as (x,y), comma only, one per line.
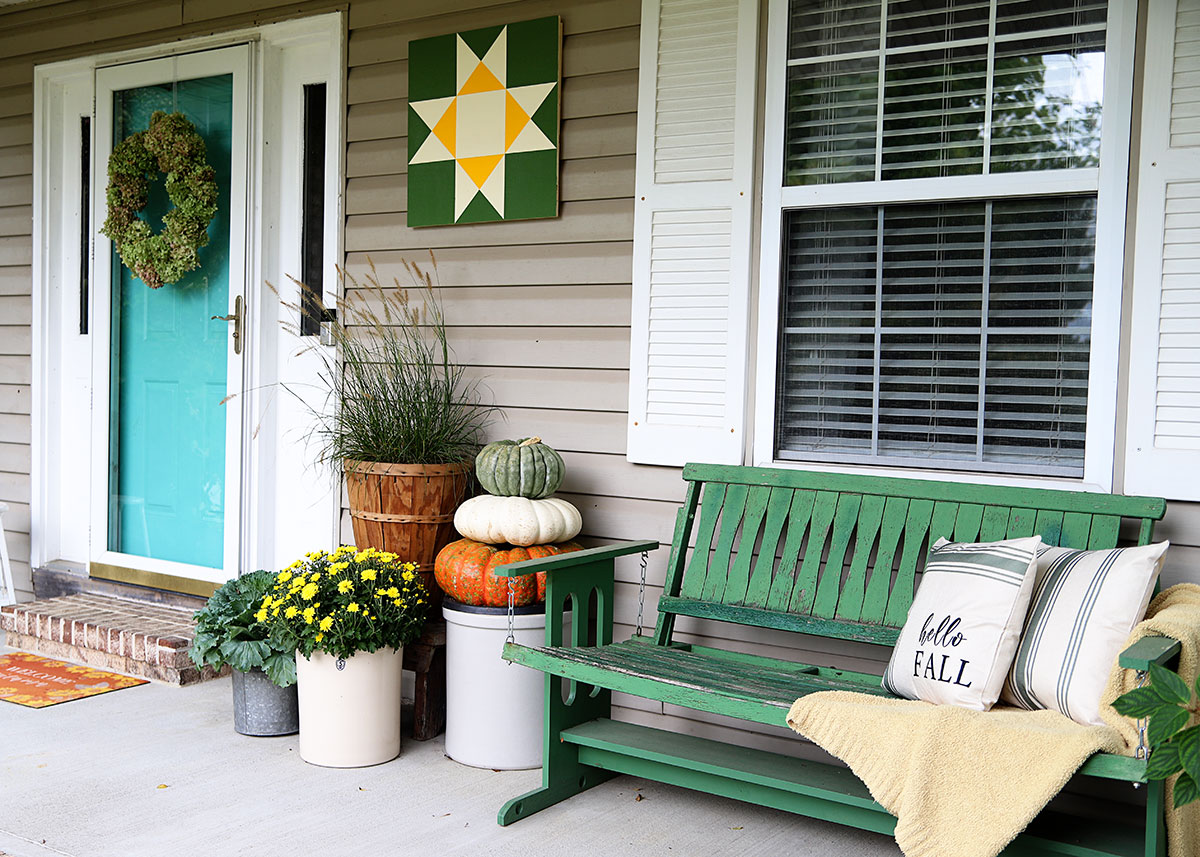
(517,520)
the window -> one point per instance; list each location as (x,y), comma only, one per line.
(312,211)
(939,210)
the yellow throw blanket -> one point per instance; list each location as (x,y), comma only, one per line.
(1174,613)
(964,783)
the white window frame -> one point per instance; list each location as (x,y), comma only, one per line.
(1109,181)
(285,508)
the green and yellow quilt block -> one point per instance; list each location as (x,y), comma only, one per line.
(483,112)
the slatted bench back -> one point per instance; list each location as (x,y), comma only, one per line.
(838,555)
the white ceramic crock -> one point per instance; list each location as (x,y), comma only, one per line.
(349,709)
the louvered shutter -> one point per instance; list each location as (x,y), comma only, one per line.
(1163,452)
(692,231)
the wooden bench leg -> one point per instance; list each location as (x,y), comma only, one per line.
(562,774)
(1156,828)
(426,657)
(429,694)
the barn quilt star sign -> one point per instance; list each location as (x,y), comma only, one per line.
(483,124)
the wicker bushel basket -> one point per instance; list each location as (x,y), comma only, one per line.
(407,509)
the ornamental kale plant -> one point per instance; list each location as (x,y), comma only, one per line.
(345,602)
(227,631)
(1175,746)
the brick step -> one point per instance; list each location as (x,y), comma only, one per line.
(147,640)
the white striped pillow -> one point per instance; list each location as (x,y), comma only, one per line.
(962,629)
(1084,605)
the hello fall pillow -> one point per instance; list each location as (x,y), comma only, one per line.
(964,624)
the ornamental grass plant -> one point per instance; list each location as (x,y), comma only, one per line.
(398,395)
(345,602)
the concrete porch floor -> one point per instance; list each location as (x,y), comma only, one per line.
(84,778)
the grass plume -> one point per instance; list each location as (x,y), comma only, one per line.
(395,392)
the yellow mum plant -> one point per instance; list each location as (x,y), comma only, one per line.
(345,602)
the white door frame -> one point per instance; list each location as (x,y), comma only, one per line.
(277,522)
(234,61)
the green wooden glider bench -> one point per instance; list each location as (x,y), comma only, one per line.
(811,553)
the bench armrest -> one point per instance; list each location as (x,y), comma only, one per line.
(577,576)
(1148,650)
(568,560)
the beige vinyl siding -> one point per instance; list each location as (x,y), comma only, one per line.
(16,310)
(1181,527)
(45,32)
(566,382)
(540,309)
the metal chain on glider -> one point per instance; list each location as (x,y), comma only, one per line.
(642,594)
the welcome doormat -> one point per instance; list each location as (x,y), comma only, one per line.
(37,682)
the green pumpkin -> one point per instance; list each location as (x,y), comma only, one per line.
(519,468)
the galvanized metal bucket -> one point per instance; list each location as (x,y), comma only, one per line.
(261,708)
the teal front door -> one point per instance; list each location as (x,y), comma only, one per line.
(174,366)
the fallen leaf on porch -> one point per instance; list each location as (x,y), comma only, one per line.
(637,797)
(162,786)
(735,828)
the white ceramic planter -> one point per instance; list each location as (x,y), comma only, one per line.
(349,709)
(493,708)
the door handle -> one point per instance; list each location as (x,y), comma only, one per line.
(236,318)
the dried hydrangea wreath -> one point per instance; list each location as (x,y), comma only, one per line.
(170,145)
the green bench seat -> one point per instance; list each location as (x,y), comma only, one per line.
(808,553)
(756,689)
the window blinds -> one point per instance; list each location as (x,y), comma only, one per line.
(951,334)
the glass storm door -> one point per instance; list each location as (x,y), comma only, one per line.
(172,470)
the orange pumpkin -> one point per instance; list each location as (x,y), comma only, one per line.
(465,570)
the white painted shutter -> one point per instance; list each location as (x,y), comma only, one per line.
(1163,452)
(692,231)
